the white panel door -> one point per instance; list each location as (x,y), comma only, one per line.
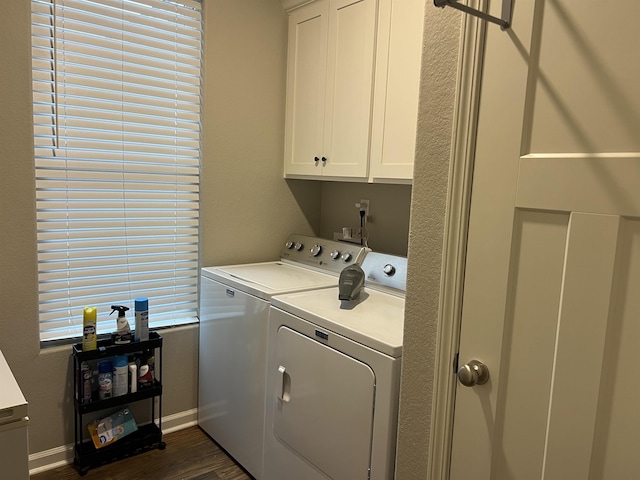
(551,302)
(324,410)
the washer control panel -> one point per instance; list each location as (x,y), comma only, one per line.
(328,255)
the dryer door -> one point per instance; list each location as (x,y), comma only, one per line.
(325,407)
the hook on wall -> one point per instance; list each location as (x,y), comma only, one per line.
(504,21)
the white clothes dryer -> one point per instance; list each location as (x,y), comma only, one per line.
(333,379)
(234,309)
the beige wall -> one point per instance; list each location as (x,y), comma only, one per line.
(44,377)
(244,197)
(244,147)
(388,225)
(247,208)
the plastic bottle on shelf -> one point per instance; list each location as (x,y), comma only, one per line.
(142,319)
(85,376)
(89,337)
(133,376)
(105,379)
(123,332)
(145,377)
(120,375)
(151,361)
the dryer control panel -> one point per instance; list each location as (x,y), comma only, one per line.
(320,253)
(385,271)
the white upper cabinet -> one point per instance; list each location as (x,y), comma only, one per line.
(352,90)
(397,88)
(329,84)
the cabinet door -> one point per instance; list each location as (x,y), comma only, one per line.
(306,74)
(350,60)
(397,85)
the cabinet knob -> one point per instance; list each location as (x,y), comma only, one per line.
(316,159)
(324,159)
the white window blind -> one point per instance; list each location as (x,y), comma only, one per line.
(116,88)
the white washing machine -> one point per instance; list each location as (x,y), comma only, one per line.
(234,309)
(333,379)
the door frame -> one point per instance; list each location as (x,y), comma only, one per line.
(462,160)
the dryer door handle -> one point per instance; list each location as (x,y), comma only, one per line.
(284,384)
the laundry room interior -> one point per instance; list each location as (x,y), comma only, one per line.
(247,210)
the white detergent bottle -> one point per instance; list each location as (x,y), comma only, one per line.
(120,375)
(133,377)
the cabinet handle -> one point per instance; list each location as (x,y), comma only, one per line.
(316,159)
(324,159)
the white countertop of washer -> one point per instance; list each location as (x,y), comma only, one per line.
(375,320)
(269,278)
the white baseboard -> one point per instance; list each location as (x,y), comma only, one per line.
(179,421)
(63,455)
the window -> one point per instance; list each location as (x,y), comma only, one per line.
(116,98)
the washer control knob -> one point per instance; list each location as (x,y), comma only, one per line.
(346,256)
(316,250)
(289,245)
(389,269)
(335,254)
(298,246)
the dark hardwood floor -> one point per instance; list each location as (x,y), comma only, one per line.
(190,455)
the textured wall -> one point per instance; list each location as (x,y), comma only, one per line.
(435,122)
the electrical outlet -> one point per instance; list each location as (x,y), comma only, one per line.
(363,205)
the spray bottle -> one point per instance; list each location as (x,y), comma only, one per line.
(142,319)
(123,334)
(89,339)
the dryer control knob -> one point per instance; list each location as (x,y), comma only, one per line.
(335,254)
(316,250)
(298,246)
(389,269)
(346,256)
(289,245)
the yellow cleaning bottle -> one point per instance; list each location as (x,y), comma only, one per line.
(89,336)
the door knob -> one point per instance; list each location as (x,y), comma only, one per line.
(473,373)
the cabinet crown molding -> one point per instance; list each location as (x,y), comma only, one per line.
(291,4)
